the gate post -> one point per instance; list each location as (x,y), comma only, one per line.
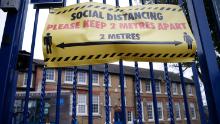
(207,57)
(11,44)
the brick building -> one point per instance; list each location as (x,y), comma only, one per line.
(99,95)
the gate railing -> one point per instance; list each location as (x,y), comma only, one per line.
(205,51)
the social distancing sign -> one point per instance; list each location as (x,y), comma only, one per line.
(95,33)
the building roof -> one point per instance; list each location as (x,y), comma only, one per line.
(114,69)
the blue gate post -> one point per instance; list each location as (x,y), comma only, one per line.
(183,84)
(106,81)
(11,43)
(74,120)
(154,93)
(207,57)
(198,94)
(58,96)
(25,114)
(42,103)
(121,79)
(138,95)
(90,118)
(170,99)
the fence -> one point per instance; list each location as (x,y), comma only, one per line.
(12,41)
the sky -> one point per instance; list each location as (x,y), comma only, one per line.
(38,53)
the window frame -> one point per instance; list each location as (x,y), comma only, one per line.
(68,82)
(174,86)
(192,105)
(96,113)
(85,104)
(49,80)
(85,74)
(160,104)
(95,84)
(159,82)
(132,119)
(150,87)
(25,80)
(179,111)
(152,109)
(125,83)
(190,90)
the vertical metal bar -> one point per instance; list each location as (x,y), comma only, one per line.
(198,94)
(25,114)
(130,3)
(117,3)
(106,80)
(12,39)
(170,100)
(121,74)
(104,1)
(74,120)
(156,119)
(42,102)
(58,96)
(77,1)
(90,96)
(138,95)
(207,57)
(184,94)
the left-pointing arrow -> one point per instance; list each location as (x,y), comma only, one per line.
(63,45)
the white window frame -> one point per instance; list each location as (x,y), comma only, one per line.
(125,83)
(85,104)
(82,83)
(132,119)
(174,89)
(68,82)
(160,104)
(96,113)
(25,80)
(151,104)
(181,90)
(109,79)
(142,107)
(179,112)
(159,87)
(48,80)
(110,116)
(141,89)
(149,82)
(192,105)
(184,111)
(190,90)
(71,104)
(97,83)
(168,109)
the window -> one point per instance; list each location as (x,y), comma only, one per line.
(142,107)
(71,104)
(184,111)
(148,87)
(110,116)
(150,113)
(82,78)
(157,86)
(168,111)
(69,76)
(81,105)
(190,90)
(141,91)
(25,80)
(174,86)
(95,79)
(130,117)
(109,79)
(50,75)
(177,111)
(165,88)
(192,110)
(95,104)
(125,84)
(181,90)
(160,110)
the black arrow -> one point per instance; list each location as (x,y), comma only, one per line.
(63,45)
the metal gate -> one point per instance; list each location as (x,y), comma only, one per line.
(12,42)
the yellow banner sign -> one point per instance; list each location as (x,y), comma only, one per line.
(94,33)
